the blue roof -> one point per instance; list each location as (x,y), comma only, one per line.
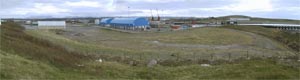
(106,20)
(138,21)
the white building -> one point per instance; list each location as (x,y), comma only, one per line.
(28,22)
(51,24)
(84,21)
(239,19)
(97,21)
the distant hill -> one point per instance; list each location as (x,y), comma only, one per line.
(262,20)
(235,16)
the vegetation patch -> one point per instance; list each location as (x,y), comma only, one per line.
(15,40)
(46,55)
(289,39)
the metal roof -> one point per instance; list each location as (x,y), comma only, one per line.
(128,20)
(106,20)
(124,20)
(138,21)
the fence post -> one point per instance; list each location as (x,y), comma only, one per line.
(229,57)
(124,56)
(247,55)
(158,58)
(177,57)
(211,58)
(194,55)
(298,56)
(141,56)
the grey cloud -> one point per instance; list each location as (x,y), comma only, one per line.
(7,4)
(188,7)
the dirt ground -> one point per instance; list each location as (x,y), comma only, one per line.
(260,46)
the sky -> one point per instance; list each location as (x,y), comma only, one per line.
(288,9)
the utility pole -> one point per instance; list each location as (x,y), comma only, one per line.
(158,20)
(152,18)
(128,10)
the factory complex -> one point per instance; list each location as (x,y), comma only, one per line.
(149,23)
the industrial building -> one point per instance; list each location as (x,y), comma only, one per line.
(234,21)
(239,19)
(28,22)
(106,21)
(130,23)
(84,21)
(97,21)
(51,24)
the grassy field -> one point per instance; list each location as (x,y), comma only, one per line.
(256,20)
(53,55)
(207,36)
(27,57)
(200,43)
(288,39)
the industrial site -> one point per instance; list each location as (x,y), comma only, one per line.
(156,46)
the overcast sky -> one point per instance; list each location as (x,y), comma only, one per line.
(289,9)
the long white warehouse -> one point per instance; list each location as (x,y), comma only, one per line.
(51,24)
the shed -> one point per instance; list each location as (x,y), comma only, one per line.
(51,24)
(138,22)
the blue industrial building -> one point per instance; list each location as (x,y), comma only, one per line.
(130,23)
(105,21)
(126,23)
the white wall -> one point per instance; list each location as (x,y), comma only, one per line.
(97,21)
(239,19)
(51,24)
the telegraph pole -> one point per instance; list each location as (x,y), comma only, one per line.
(128,11)
(158,20)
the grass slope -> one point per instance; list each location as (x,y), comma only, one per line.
(52,61)
(27,57)
(252,69)
(289,39)
(16,67)
(14,40)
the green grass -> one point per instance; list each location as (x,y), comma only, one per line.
(54,57)
(15,40)
(112,45)
(192,36)
(16,67)
(253,69)
(27,57)
(115,43)
(288,39)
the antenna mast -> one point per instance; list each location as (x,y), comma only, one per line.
(128,11)
(152,18)
(158,18)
